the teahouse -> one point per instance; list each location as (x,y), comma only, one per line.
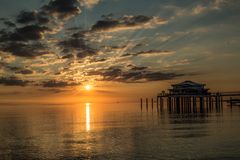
(188,88)
(189,96)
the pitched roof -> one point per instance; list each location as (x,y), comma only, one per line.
(188,83)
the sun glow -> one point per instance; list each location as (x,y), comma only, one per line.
(87,116)
(88,87)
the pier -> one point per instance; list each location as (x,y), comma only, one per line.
(193,97)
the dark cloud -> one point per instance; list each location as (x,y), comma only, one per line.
(54,83)
(98,60)
(148,53)
(154,52)
(62,8)
(77,43)
(12,81)
(25,50)
(107,16)
(135,68)
(127,22)
(9,23)
(13,68)
(2,19)
(85,52)
(133,76)
(19,70)
(24,41)
(25,71)
(68,56)
(105,25)
(127,55)
(73,43)
(26,17)
(26,33)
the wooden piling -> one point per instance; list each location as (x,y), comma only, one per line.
(231,102)
(152,103)
(201,104)
(147,104)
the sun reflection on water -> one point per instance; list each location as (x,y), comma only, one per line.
(87,116)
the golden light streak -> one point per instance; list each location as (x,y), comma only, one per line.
(87,116)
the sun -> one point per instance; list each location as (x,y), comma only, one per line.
(88,87)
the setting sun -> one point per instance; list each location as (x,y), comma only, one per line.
(88,87)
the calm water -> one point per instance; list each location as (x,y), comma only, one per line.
(117,131)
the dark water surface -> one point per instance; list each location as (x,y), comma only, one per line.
(117,131)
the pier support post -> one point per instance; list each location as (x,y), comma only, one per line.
(207,104)
(210,103)
(147,104)
(181,99)
(201,104)
(152,103)
(231,102)
(178,104)
(161,102)
(170,104)
(221,98)
(217,99)
(194,105)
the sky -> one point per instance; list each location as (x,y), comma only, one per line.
(124,49)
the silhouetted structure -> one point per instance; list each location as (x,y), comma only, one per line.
(190,97)
(188,88)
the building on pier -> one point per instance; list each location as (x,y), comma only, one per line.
(188,88)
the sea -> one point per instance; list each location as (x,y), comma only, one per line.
(117,131)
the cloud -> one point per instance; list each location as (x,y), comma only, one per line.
(151,53)
(127,55)
(9,23)
(62,8)
(68,56)
(54,83)
(77,43)
(97,60)
(213,5)
(89,3)
(135,68)
(73,52)
(25,50)
(27,39)
(127,22)
(85,52)
(12,81)
(6,58)
(198,9)
(24,71)
(139,75)
(26,33)
(19,70)
(26,17)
